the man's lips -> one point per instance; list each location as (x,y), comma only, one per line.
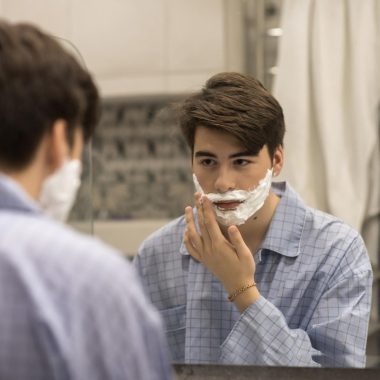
(227,205)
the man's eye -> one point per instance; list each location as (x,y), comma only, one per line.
(241,162)
(207,162)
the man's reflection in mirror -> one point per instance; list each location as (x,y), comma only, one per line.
(251,274)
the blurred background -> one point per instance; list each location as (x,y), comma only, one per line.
(321,59)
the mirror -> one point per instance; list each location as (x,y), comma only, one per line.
(145,56)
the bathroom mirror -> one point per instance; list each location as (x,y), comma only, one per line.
(145,56)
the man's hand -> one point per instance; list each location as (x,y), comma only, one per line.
(230,261)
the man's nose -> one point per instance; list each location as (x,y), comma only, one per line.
(225,181)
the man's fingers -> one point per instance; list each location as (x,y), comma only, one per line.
(237,241)
(210,221)
(192,232)
(201,220)
(190,247)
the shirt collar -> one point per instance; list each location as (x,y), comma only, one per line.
(285,230)
(183,250)
(14,197)
(282,238)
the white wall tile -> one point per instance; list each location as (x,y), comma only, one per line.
(234,36)
(136,46)
(149,84)
(195,35)
(49,15)
(188,82)
(119,37)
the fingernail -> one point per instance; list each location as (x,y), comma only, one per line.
(233,229)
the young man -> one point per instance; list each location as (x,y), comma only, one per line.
(253,275)
(71,307)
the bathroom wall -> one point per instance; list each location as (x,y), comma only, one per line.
(146,46)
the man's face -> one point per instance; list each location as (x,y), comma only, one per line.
(222,164)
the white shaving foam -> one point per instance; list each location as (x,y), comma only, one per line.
(251,201)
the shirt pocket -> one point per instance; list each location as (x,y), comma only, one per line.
(175,328)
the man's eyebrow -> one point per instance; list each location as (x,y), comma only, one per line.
(204,153)
(245,153)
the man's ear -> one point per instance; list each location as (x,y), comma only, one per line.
(57,145)
(278,160)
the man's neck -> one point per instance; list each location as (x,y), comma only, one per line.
(30,179)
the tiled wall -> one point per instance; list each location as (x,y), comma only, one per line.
(140,163)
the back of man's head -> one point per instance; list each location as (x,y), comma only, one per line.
(40,83)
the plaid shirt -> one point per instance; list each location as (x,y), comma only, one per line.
(70,306)
(315,280)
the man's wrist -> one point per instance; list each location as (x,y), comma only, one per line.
(240,290)
(246,298)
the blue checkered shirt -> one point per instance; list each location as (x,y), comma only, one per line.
(315,280)
(70,306)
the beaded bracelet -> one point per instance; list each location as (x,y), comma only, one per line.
(232,296)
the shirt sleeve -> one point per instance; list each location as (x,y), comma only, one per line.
(261,336)
(335,335)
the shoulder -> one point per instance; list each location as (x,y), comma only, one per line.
(167,237)
(336,244)
(161,250)
(57,254)
(323,239)
(41,233)
(79,284)
(329,229)
(316,225)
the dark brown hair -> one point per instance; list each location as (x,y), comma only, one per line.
(236,104)
(40,83)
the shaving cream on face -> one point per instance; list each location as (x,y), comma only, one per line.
(251,201)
